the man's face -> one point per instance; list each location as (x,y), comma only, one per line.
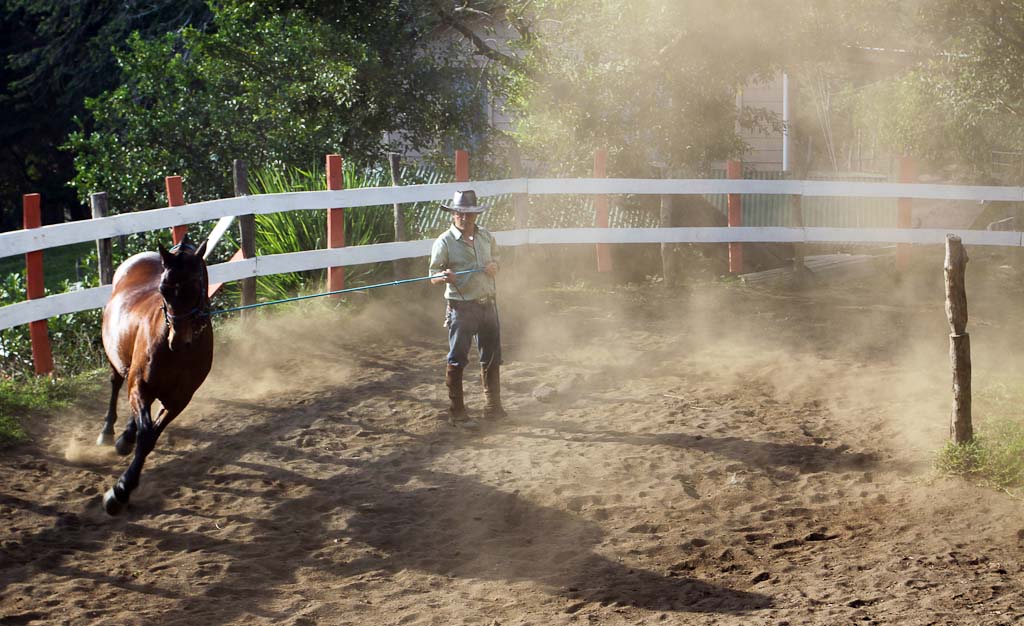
(464,221)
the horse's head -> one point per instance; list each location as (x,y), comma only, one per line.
(183,286)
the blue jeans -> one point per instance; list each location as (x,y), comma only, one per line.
(466,319)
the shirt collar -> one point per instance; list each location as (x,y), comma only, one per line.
(458,233)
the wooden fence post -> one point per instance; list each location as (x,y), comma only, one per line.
(175,197)
(601,219)
(667,249)
(904,211)
(246,231)
(335,223)
(395,164)
(520,201)
(461,166)
(42,356)
(797,206)
(734,170)
(398,266)
(104,254)
(960,428)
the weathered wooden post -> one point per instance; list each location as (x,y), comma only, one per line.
(335,223)
(520,201)
(668,270)
(39,332)
(797,207)
(601,219)
(104,254)
(734,170)
(960,428)
(395,164)
(904,211)
(246,231)
(175,197)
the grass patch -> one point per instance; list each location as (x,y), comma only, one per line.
(23,397)
(995,457)
(59,264)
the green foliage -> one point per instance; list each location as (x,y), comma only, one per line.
(296,231)
(995,456)
(656,82)
(281,87)
(961,97)
(53,55)
(74,338)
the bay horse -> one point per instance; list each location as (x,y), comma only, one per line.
(157,336)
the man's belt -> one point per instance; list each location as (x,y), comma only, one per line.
(486,300)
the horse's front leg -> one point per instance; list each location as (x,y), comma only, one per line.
(106,437)
(117,496)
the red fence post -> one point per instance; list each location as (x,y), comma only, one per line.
(175,197)
(904,211)
(734,170)
(461,166)
(42,357)
(604,253)
(335,223)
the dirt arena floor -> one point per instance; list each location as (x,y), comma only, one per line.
(721,454)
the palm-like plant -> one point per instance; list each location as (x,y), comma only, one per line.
(294,231)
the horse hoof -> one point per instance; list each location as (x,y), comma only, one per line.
(105,439)
(124,445)
(111,504)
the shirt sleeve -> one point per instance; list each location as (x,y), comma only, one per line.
(495,251)
(438,257)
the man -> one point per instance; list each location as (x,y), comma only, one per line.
(472,310)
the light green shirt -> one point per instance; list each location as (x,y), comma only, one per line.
(454,250)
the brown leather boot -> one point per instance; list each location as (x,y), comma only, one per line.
(457,409)
(492,390)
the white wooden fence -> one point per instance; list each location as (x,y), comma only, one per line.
(19,242)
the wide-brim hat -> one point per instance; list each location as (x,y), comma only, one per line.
(464,202)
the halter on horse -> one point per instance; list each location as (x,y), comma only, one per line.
(158,337)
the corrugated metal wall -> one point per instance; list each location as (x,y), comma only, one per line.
(771,210)
(573,211)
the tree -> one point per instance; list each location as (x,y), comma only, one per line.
(55,54)
(270,87)
(963,98)
(655,81)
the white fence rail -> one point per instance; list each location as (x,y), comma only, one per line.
(19,242)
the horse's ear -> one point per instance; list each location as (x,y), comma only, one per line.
(166,257)
(201,252)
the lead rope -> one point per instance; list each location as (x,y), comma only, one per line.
(331,293)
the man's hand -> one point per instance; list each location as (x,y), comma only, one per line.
(491,269)
(447,276)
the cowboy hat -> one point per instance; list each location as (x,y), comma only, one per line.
(464,202)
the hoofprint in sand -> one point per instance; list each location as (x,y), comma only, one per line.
(722,455)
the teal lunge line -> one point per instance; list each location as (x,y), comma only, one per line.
(331,293)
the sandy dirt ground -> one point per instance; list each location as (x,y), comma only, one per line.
(722,454)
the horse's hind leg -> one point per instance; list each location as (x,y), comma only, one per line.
(106,437)
(126,442)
